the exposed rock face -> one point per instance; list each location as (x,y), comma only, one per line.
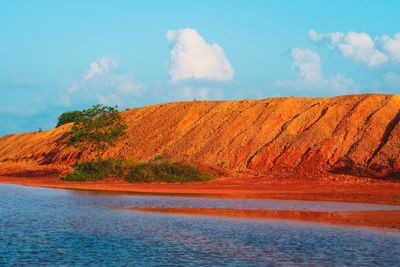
(357,134)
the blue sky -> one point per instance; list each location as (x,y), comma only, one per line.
(63,55)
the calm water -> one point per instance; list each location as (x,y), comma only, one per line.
(61,227)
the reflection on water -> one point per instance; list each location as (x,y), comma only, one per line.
(61,227)
(146,200)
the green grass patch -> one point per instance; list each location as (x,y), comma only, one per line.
(165,172)
(98,169)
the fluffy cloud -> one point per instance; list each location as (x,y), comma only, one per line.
(100,84)
(358,46)
(392,45)
(104,65)
(330,39)
(193,58)
(307,65)
(361,47)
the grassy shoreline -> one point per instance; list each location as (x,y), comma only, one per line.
(153,171)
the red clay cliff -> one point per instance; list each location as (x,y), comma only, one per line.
(292,137)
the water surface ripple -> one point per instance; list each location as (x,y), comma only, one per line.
(62,227)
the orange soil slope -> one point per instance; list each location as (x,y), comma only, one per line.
(357,134)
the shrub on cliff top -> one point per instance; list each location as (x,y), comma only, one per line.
(97,129)
(69,116)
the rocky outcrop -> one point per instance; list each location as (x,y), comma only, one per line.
(356,134)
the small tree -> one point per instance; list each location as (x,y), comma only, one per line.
(97,128)
(70,116)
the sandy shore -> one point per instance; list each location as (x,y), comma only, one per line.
(367,192)
(381,219)
(379,192)
(346,189)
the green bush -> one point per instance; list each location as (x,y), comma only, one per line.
(145,172)
(69,116)
(98,169)
(165,172)
(97,129)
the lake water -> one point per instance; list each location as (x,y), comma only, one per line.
(63,227)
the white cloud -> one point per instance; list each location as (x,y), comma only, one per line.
(104,65)
(314,36)
(361,47)
(357,46)
(392,45)
(193,58)
(330,39)
(100,84)
(307,65)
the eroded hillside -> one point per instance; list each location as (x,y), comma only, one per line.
(358,134)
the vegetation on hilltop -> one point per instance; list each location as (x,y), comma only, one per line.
(69,116)
(97,128)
